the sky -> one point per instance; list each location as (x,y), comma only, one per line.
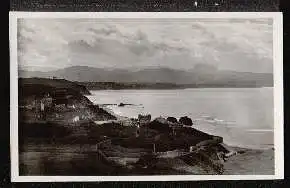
(240,45)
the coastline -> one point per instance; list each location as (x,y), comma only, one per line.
(110,111)
(231,146)
(84,141)
(229,113)
(260,159)
(250,158)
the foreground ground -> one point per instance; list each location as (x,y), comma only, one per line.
(58,143)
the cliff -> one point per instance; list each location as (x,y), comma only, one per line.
(38,86)
(56,100)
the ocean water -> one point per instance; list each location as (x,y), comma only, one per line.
(242,116)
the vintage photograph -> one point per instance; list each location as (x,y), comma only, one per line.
(142,96)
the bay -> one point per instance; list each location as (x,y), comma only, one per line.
(242,116)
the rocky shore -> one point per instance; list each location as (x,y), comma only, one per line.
(61,132)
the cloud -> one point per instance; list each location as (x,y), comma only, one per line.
(243,45)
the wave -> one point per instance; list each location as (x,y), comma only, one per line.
(214,120)
(260,130)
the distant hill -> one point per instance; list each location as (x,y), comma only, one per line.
(201,75)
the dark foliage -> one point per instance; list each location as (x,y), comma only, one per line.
(185,121)
(57,87)
(43,130)
(172,119)
(156,125)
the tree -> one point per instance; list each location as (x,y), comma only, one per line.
(172,119)
(185,121)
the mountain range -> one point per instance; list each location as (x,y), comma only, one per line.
(200,74)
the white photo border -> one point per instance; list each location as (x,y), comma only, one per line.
(278,92)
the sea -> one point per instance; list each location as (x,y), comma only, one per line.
(244,117)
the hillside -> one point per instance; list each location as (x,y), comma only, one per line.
(57,95)
(37,86)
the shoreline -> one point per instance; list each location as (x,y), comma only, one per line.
(237,146)
(122,141)
(188,88)
(110,111)
(164,85)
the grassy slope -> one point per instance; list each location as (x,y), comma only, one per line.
(29,86)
